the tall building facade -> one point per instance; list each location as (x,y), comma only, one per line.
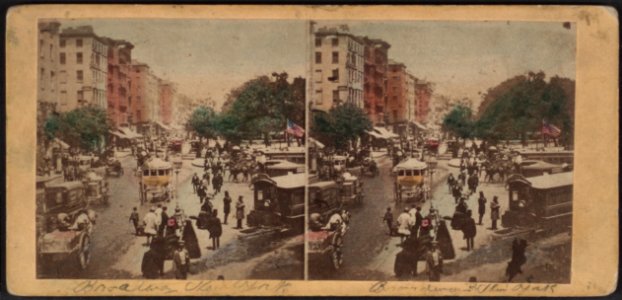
(118,89)
(83,68)
(398,93)
(167,93)
(145,96)
(411,107)
(47,76)
(338,68)
(375,85)
(423,95)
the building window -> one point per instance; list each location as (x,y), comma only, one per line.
(318,76)
(318,42)
(335,96)
(318,57)
(335,57)
(62,43)
(63,77)
(52,52)
(335,76)
(79,75)
(62,58)
(80,95)
(63,97)
(78,42)
(79,57)
(335,42)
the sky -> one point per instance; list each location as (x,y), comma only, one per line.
(463,59)
(209,57)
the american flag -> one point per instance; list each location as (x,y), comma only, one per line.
(294,129)
(550,129)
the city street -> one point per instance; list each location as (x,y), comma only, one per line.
(369,252)
(117,253)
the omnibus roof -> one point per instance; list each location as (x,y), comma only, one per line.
(157,164)
(548,181)
(323,184)
(290,181)
(67,185)
(410,164)
(285,165)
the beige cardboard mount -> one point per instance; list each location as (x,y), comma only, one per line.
(595,227)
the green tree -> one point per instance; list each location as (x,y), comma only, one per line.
(341,125)
(202,122)
(83,127)
(459,122)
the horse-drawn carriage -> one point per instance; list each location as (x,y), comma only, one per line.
(278,201)
(64,226)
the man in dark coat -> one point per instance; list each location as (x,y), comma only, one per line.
(226,206)
(152,260)
(215,229)
(164,217)
(388,218)
(405,266)
(469,230)
(481,206)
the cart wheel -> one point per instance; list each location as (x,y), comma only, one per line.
(336,255)
(84,252)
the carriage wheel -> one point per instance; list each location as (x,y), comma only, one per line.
(84,251)
(336,256)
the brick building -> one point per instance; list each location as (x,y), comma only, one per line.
(375,84)
(118,88)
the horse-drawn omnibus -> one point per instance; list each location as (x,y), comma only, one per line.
(293,155)
(278,201)
(541,201)
(156,180)
(410,180)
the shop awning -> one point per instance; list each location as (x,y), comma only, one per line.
(129,133)
(385,133)
(119,135)
(62,144)
(419,125)
(376,135)
(163,126)
(316,143)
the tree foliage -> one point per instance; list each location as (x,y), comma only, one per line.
(261,106)
(341,125)
(516,107)
(459,122)
(202,122)
(83,127)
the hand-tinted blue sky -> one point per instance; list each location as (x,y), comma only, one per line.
(464,58)
(210,57)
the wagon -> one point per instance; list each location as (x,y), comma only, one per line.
(67,225)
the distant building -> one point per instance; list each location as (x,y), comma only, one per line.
(118,88)
(401,97)
(83,68)
(145,92)
(167,97)
(338,67)
(47,76)
(375,84)
(423,94)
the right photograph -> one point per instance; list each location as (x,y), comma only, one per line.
(440,151)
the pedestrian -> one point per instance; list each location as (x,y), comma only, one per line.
(226,206)
(164,219)
(239,211)
(215,229)
(457,192)
(451,181)
(405,266)
(181,260)
(462,178)
(151,262)
(158,213)
(494,212)
(151,227)
(469,230)
(518,258)
(195,182)
(201,193)
(404,223)
(134,218)
(416,217)
(434,262)
(481,208)
(388,218)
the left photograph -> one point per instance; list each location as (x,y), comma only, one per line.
(171,149)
